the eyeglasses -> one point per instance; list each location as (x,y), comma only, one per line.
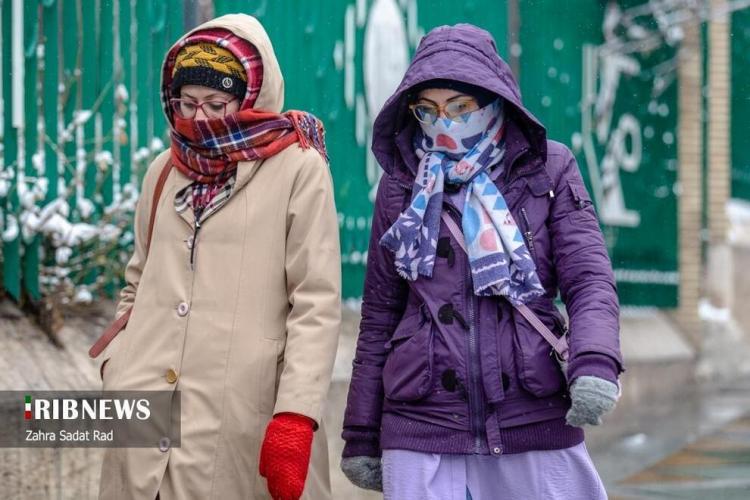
(188,109)
(453,110)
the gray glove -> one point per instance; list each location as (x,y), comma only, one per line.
(364,472)
(591,397)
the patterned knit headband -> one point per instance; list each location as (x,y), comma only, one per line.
(209,65)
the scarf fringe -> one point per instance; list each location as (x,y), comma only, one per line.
(310,131)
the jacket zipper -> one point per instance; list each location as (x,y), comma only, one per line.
(198,225)
(528,234)
(476,403)
(195,243)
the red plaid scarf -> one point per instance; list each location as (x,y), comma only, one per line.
(207,151)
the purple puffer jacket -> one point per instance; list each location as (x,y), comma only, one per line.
(439,369)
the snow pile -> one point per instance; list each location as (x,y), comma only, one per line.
(83,296)
(738,213)
(121,93)
(52,221)
(709,312)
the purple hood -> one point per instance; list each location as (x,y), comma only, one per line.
(463,53)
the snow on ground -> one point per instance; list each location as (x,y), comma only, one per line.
(738,213)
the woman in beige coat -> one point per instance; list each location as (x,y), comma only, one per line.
(234,298)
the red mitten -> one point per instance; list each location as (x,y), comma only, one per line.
(285,455)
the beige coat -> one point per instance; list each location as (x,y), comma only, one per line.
(251,331)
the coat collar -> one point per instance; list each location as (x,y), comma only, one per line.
(246,170)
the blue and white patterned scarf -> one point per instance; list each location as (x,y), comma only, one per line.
(461,153)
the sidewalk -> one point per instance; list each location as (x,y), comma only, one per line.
(670,437)
(695,448)
(717,466)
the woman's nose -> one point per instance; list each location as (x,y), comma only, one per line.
(439,116)
(199,114)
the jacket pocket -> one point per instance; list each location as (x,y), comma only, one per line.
(408,369)
(538,370)
(583,206)
(111,359)
(101,369)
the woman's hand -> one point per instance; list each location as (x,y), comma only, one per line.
(285,455)
(591,397)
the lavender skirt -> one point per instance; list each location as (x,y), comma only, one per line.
(549,475)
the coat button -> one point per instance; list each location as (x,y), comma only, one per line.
(164,444)
(445,250)
(451,187)
(497,450)
(506,381)
(183,308)
(189,241)
(449,380)
(443,247)
(171,376)
(445,314)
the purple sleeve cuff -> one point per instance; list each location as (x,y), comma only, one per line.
(594,365)
(360,443)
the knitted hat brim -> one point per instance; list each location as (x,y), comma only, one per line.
(208,77)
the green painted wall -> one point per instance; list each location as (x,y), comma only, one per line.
(626,146)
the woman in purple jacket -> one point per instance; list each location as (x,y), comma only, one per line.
(451,384)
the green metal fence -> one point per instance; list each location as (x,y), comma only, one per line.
(81,119)
(85,114)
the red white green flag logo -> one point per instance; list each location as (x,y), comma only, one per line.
(27,408)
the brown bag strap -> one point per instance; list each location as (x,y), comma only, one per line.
(110,333)
(155,201)
(117,325)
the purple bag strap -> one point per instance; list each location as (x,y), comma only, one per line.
(560,345)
